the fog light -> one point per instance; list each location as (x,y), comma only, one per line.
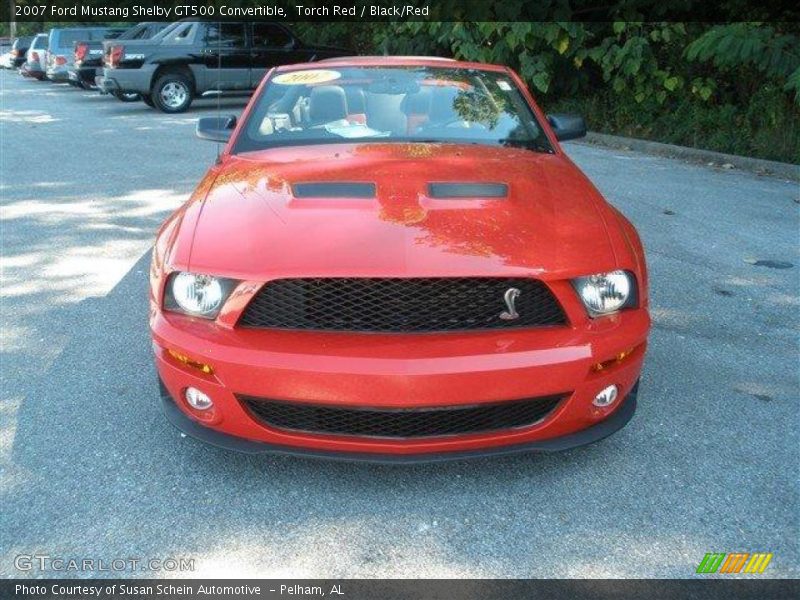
(197,399)
(606,397)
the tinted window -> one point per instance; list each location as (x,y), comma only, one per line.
(181,33)
(391,104)
(134,33)
(67,37)
(168,30)
(267,35)
(155,29)
(40,43)
(226,35)
(106,34)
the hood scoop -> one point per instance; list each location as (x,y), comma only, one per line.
(467,190)
(333,189)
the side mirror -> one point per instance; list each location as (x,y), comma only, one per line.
(567,127)
(215,129)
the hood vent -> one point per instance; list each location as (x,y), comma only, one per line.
(334,189)
(467,190)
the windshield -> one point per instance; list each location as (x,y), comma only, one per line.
(391,104)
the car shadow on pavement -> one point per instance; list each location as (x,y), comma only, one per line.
(198,108)
(96,468)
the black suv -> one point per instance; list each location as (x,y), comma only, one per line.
(198,57)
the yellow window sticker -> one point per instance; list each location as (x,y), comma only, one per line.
(306,77)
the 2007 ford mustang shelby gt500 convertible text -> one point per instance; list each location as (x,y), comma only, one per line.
(393,259)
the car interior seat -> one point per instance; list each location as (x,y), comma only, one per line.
(356,104)
(327,103)
(417,108)
(384,113)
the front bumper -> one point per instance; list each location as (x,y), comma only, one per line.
(405,371)
(595,433)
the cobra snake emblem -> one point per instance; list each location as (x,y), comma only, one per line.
(510,298)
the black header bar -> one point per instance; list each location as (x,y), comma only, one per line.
(88,11)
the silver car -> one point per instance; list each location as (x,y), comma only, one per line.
(36,57)
(61,53)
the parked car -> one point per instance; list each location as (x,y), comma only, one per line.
(195,58)
(394,259)
(61,48)
(6,57)
(36,57)
(107,47)
(5,48)
(88,55)
(15,57)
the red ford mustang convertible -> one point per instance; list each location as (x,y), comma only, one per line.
(394,260)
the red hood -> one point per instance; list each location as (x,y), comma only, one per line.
(252,226)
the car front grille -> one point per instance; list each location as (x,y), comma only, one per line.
(396,305)
(400,423)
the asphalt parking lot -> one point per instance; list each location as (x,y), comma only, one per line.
(91,469)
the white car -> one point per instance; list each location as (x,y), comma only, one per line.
(36,58)
(5,55)
(7,60)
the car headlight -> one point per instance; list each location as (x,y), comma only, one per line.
(197,295)
(606,293)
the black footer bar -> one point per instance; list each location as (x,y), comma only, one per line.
(391,589)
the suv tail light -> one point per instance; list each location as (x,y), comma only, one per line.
(61,60)
(15,53)
(115,57)
(34,57)
(80,51)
